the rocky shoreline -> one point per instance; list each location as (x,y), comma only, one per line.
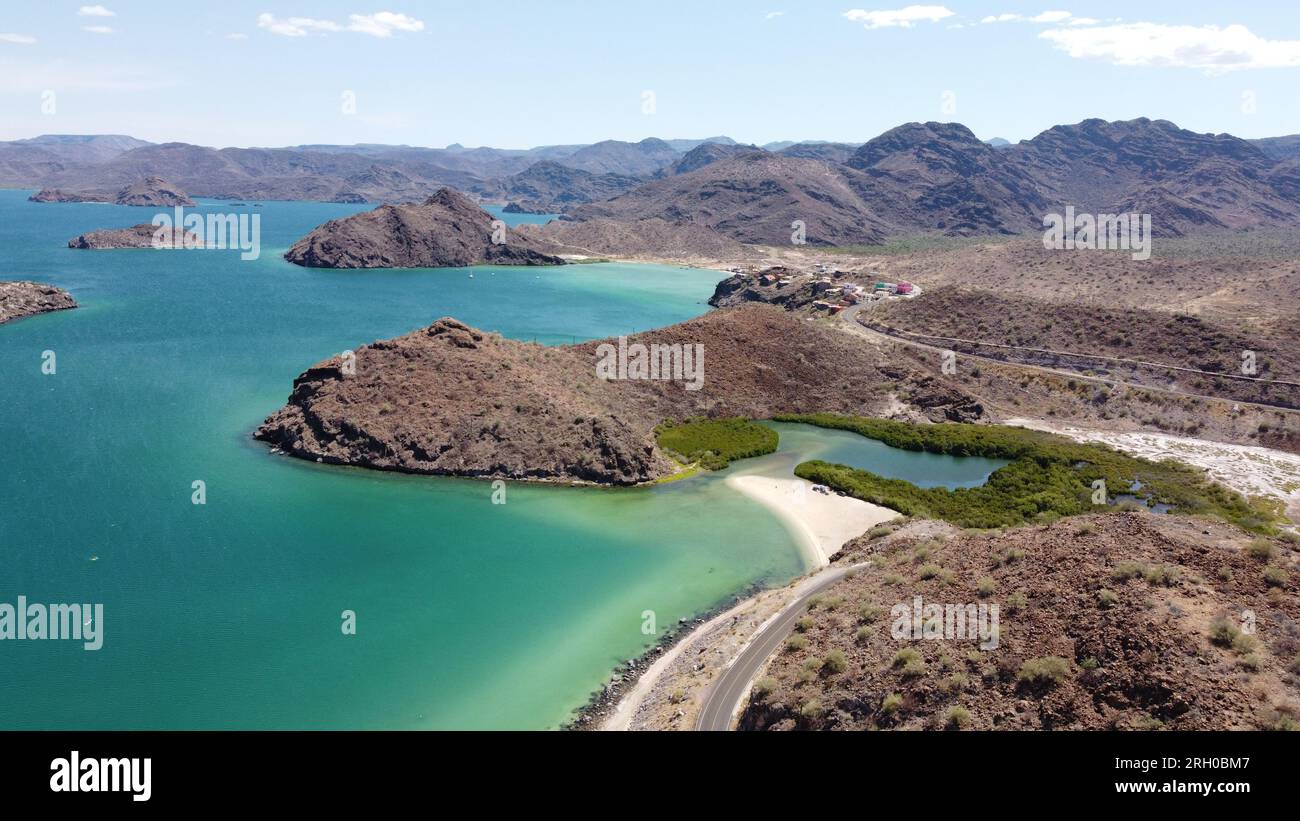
(23,299)
(137,236)
(592,715)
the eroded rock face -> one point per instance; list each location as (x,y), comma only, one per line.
(453,400)
(21,299)
(445,231)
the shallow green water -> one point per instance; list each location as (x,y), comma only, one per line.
(469,614)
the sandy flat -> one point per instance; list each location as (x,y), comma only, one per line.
(821,522)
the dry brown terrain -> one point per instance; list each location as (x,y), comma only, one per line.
(1112,621)
(20,299)
(453,400)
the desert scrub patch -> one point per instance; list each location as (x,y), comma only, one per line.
(1164,575)
(1043,671)
(1225,633)
(871,613)
(893,579)
(716,443)
(804,624)
(1127,570)
(891,704)
(908,662)
(1275,576)
(796,643)
(928,571)
(1017,601)
(957,718)
(811,709)
(1107,598)
(986,587)
(765,686)
(1046,476)
(834,663)
(1261,549)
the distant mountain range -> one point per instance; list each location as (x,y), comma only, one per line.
(919,177)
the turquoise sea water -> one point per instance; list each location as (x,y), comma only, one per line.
(227,615)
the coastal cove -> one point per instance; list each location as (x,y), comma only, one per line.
(227,614)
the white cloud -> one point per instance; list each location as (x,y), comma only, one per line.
(94,11)
(772,15)
(379,24)
(1084,21)
(98,29)
(1049,17)
(383,24)
(899,18)
(294,26)
(1210,48)
(21,39)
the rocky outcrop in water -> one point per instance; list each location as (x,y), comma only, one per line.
(445,231)
(137,236)
(22,299)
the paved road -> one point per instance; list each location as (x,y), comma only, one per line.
(852,325)
(723,698)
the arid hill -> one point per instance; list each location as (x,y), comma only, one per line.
(22,299)
(1111,621)
(652,238)
(452,400)
(151,192)
(445,231)
(550,188)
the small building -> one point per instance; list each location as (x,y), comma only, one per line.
(766,279)
(885,286)
(904,288)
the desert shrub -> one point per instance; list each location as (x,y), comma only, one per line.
(929,571)
(835,662)
(1045,670)
(1275,577)
(1127,570)
(986,587)
(891,704)
(1107,598)
(870,613)
(1017,601)
(811,709)
(796,642)
(1261,549)
(765,685)
(957,718)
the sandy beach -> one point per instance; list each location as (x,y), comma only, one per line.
(820,522)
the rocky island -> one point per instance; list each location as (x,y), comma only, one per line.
(448,230)
(137,236)
(22,299)
(453,400)
(151,192)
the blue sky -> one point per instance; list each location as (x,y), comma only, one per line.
(517,74)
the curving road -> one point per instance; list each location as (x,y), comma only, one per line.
(723,699)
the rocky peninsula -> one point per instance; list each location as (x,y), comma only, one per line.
(23,299)
(453,400)
(448,230)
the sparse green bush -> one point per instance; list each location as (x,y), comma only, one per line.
(870,613)
(1275,577)
(958,718)
(892,704)
(928,571)
(835,662)
(1127,570)
(1107,598)
(811,709)
(1045,670)
(986,587)
(765,685)
(796,642)
(1261,549)
(1017,601)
